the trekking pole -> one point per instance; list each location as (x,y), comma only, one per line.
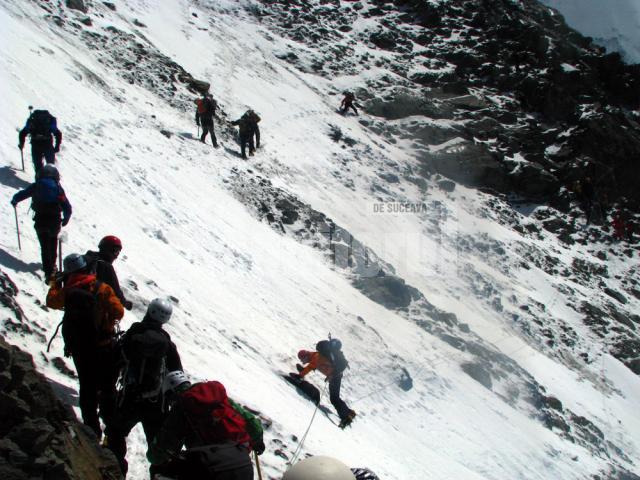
(22,158)
(257,465)
(59,254)
(61,238)
(15,210)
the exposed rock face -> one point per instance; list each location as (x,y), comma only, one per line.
(511,77)
(41,437)
(76,5)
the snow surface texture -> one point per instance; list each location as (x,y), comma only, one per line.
(484,397)
(613,24)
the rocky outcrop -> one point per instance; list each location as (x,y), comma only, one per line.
(40,436)
(510,77)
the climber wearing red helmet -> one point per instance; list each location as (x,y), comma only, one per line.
(101,263)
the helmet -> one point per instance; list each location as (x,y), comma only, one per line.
(110,241)
(319,468)
(49,171)
(174,380)
(304,356)
(73,262)
(335,344)
(160,310)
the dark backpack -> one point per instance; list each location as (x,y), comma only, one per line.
(211,416)
(329,350)
(80,319)
(40,125)
(145,352)
(207,108)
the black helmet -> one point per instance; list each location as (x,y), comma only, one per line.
(49,171)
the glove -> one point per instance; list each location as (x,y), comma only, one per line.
(21,145)
(67,352)
(259,447)
(56,149)
(198,121)
(65,221)
(14,202)
(127,304)
(295,376)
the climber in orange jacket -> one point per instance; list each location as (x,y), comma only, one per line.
(91,313)
(330,361)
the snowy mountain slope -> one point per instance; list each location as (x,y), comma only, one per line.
(248,296)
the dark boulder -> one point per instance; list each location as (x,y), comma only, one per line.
(76,5)
(387,290)
(469,164)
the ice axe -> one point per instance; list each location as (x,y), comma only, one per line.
(62,238)
(257,465)
(15,210)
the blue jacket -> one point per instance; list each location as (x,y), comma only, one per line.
(43,218)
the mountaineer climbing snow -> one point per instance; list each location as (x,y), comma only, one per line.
(52,211)
(205,110)
(148,354)
(331,362)
(42,128)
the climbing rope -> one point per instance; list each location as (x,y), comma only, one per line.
(298,450)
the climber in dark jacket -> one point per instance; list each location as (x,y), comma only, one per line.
(42,127)
(101,262)
(149,353)
(347,103)
(248,127)
(206,109)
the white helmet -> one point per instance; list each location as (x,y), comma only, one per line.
(174,380)
(319,468)
(160,310)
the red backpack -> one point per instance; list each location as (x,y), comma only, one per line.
(211,415)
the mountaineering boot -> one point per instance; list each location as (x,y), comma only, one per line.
(346,421)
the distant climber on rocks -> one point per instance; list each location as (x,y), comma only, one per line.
(42,127)
(101,263)
(51,211)
(619,225)
(148,354)
(248,128)
(586,197)
(218,434)
(254,120)
(205,110)
(348,103)
(330,361)
(91,314)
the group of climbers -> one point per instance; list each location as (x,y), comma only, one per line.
(595,209)
(249,131)
(137,376)
(248,128)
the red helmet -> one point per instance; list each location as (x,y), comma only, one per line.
(110,241)
(304,356)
